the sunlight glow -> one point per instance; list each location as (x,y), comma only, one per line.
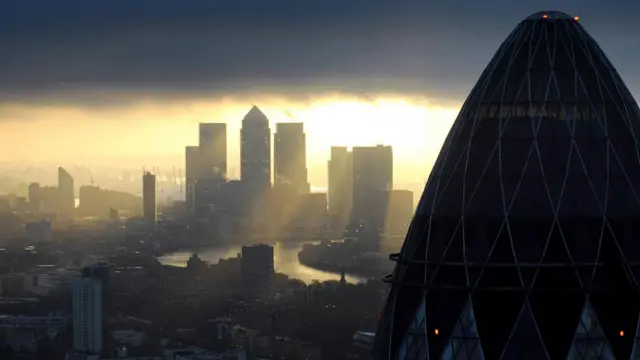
(154,133)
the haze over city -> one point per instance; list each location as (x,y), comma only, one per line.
(124,83)
(319,180)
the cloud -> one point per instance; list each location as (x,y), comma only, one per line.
(104,52)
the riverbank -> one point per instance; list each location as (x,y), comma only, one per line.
(285,259)
(348,269)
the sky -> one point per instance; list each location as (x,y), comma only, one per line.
(127,81)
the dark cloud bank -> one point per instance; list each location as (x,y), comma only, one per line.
(80,49)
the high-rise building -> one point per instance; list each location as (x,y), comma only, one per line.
(290,156)
(87,316)
(149,210)
(340,179)
(35,198)
(524,244)
(257,268)
(372,176)
(66,191)
(255,151)
(192,167)
(213,151)
(101,271)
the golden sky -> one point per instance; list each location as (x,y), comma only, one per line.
(154,132)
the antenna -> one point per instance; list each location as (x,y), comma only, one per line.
(180,180)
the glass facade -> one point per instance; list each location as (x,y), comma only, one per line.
(525,241)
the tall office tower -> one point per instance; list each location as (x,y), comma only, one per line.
(192,167)
(340,178)
(290,156)
(255,152)
(87,315)
(257,269)
(101,271)
(524,244)
(372,177)
(66,192)
(213,151)
(149,198)
(35,198)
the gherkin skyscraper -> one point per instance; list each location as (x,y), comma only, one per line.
(526,241)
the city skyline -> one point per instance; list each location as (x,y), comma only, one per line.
(401,99)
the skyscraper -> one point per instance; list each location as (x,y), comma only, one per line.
(340,179)
(255,151)
(149,198)
(101,271)
(67,200)
(372,176)
(192,167)
(525,242)
(213,150)
(87,316)
(290,156)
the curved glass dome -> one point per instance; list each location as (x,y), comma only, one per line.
(549,15)
(525,243)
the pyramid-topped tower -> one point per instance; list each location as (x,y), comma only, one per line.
(526,242)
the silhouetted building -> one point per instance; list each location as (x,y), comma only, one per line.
(255,152)
(525,242)
(290,156)
(192,168)
(66,192)
(340,187)
(372,176)
(102,272)
(87,316)
(149,210)
(35,200)
(50,201)
(257,268)
(213,151)
(97,202)
(208,195)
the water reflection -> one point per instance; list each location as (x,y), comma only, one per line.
(285,258)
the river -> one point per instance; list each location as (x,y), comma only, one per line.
(285,259)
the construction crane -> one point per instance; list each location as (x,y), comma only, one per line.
(158,182)
(90,172)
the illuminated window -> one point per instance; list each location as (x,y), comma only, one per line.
(436,331)
(621,333)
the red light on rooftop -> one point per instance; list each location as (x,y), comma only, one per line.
(545,16)
(621,333)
